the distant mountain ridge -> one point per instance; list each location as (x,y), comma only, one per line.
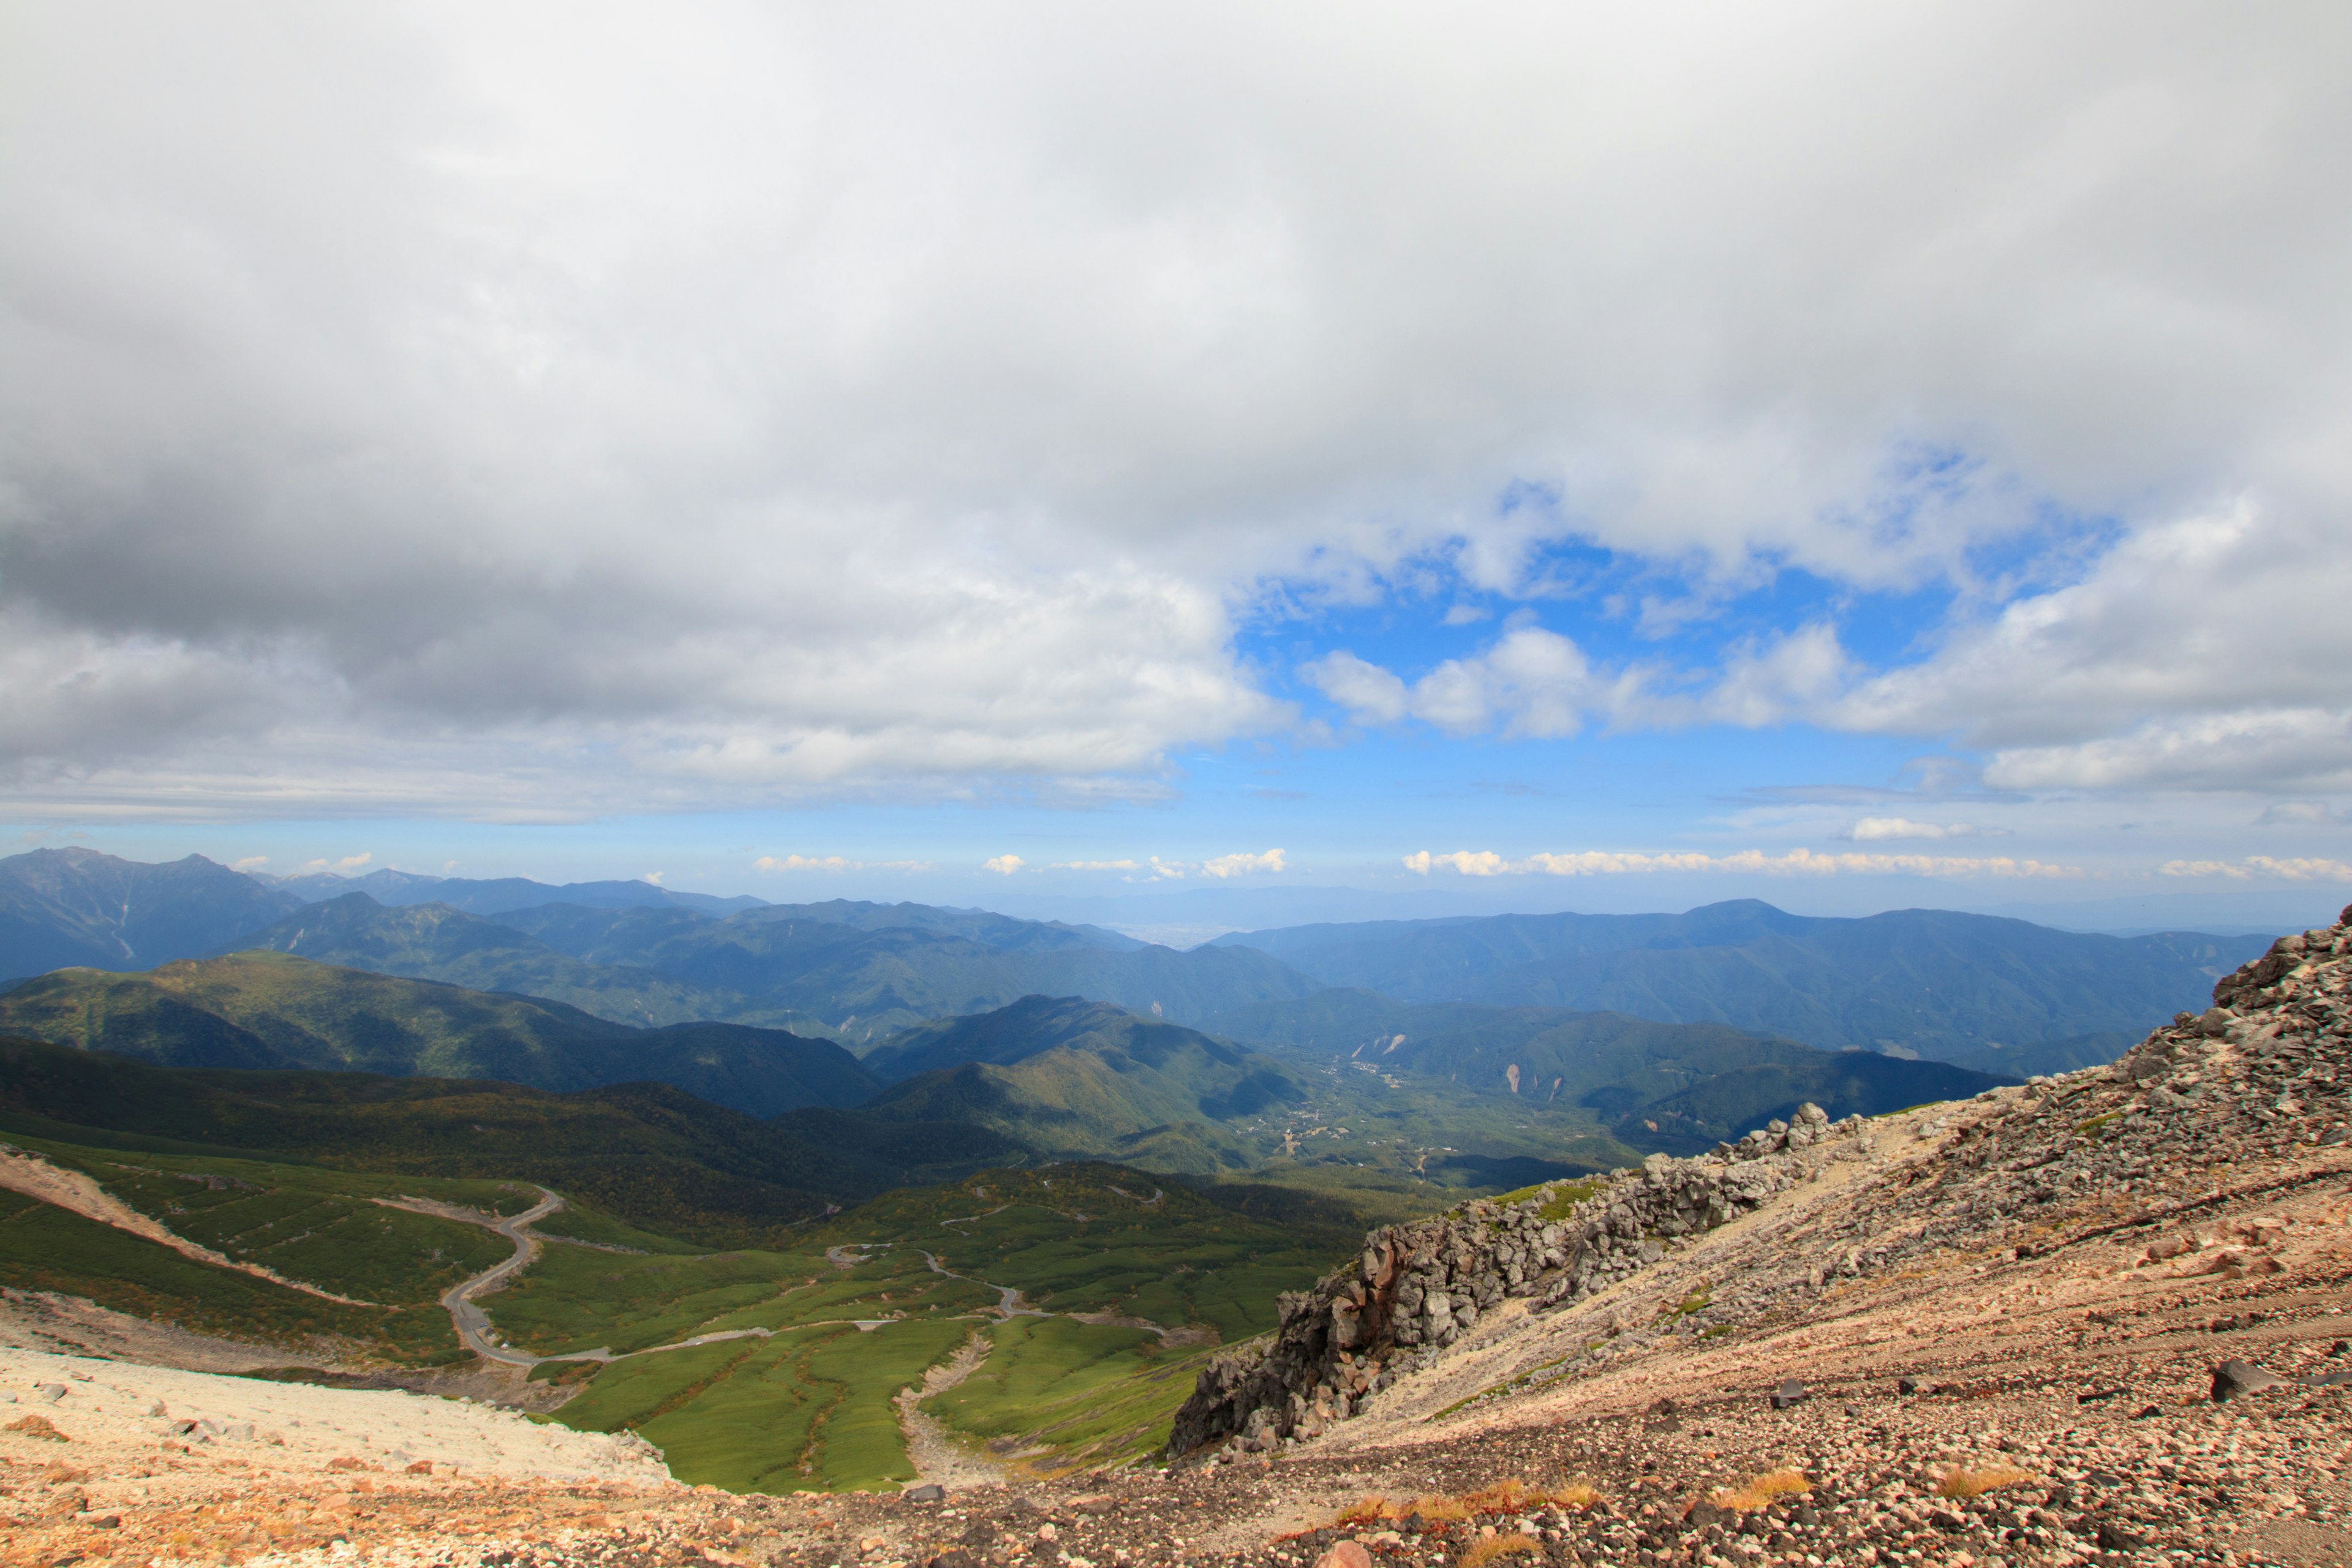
(273,1011)
(494,895)
(1935,982)
(838,970)
(65,907)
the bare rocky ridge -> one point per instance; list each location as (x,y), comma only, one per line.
(1418,1288)
(2097,1319)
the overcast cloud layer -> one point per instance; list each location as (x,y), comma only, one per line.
(513,411)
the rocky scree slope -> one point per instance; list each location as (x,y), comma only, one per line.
(2138,1150)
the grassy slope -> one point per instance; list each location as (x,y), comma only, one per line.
(319,1226)
(1073,1238)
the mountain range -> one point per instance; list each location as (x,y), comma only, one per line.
(1059,1039)
(1931,982)
(854,973)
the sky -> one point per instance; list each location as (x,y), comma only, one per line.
(1539,456)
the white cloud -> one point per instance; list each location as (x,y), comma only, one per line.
(2203,653)
(249,863)
(1370,694)
(2262,866)
(1470,863)
(1793,863)
(1531,683)
(1242,864)
(530,411)
(1003,865)
(1092,865)
(350,865)
(1870,828)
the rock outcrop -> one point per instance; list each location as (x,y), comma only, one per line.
(1418,1287)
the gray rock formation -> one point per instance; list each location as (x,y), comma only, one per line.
(1418,1287)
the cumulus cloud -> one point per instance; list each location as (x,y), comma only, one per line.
(1003,865)
(532,410)
(1241,863)
(1793,863)
(2201,653)
(1531,683)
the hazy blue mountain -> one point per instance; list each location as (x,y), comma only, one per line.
(2051,1056)
(270,1010)
(484,896)
(434,941)
(1005,931)
(61,907)
(860,983)
(1935,982)
(1678,1086)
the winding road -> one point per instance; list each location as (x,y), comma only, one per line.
(475,1333)
(472,1323)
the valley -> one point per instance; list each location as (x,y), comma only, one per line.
(1046,1237)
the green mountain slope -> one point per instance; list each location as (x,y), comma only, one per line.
(1069,1076)
(271,1010)
(1932,981)
(646,1153)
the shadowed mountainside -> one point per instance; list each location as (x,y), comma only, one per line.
(646,1152)
(263,1010)
(1067,1074)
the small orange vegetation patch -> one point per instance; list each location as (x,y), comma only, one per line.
(1759,1492)
(1493,1546)
(1502,1496)
(1968,1483)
